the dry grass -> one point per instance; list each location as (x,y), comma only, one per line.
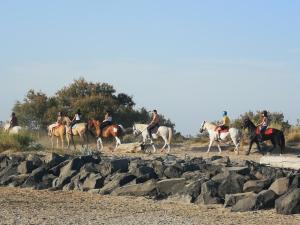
(293,135)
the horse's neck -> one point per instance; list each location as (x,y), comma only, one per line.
(141,127)
(211,126)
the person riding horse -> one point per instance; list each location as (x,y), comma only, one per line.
(224,125)
(59,121)
(154,122)
(13,121)
(76,119)
(106,122)
(263,125)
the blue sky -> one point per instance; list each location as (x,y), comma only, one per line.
(188,59)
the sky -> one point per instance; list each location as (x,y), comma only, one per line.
(190,60)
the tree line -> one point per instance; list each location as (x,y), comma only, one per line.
(93,99)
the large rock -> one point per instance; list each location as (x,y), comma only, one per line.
(232,184)
(232,199)
(93,181)
(53,159)
(144,189)
(143,173)
(256,185)
(35,179)
(108,167)
(26,167)
(170,186)
(191,191)
(173,171)
(16,180)
(194,176)
(158,167)
(280,186)
(118,180)
(289,203)
(209,193)
(239,170)
(266,199)
(246,204)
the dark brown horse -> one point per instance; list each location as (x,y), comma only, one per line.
(274,135)
(110,131)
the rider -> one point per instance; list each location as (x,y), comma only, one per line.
(76,119)
(264,123)
(224,125)
(106,122)
(59,121)
(154,122)
(13,120)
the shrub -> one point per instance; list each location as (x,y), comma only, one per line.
(293,135)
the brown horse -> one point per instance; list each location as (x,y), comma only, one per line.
(58,132)
(110,131)
(80,129)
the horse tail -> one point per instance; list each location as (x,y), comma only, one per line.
(170,134)
(122,128)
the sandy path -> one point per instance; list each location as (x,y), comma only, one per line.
(23,206)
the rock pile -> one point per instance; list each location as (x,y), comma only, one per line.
(243,186)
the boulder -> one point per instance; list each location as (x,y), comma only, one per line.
(144,189)
(143,173)
(93,181)
(193,190)
(26,167)
(194,176)
(232,199)
(53,159)
(266,199)
(232,184)
(289,203)
(173,171)
(256,185)
(246,204)
(209,193)
(118,180)
(158,167)
(15,180)
(239,170)
(280,186)
(170,186)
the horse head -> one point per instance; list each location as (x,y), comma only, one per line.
(202,127)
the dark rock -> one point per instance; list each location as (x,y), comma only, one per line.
(118,180)
(231,185)
(173,171)
(196,175)
(93,181)
(143,173)
(16,181)
(53,159)
(232,199)
(209,193)
(144,189)
(266,199)
(192,189)
(246,204)
(256,185)
(289,203)
(280,186)
(170,186)
(26,167)
(239,170)
(56,169)
(159,168)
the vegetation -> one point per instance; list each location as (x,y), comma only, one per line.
(93,99)
(19,142)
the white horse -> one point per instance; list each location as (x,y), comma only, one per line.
(163,131)
(13,130)
(234,133)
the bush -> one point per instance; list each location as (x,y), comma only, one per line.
(19,142)
(293,135)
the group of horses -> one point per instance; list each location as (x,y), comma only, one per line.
(116,131)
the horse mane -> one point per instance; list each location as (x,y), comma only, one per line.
(140,126)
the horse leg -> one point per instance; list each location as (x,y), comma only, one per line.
(62,141)
(99,140)
(220,150)
(166,143)
(250,146)
(153,146)
(57,139)
(210,144)
(118,142)
(52,144)
(236,144)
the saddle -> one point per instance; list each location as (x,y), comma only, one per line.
(269,131)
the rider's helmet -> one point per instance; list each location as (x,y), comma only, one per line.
(154,110)
(265,113)
(78,111)
(224,113)
(108,112)
(13,114)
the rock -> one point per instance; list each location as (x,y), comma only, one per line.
(26,167)
(239,170)
(192,189)
(173,171)
(56,169)
(219,160)
(209,193)
(159,168)
(53,159)
(289,203)
(170,186)
(256,185)
(232,199)
(229,183)
(8,171)
(35,159)
(35,179)
(15,180)
(296,182)
(118,180)
(246,204)
(143,173)
(93,181)
(144,189)
(266,199)
(212,170)
(109,167)
(193,176)
(190,167)
(280,186)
